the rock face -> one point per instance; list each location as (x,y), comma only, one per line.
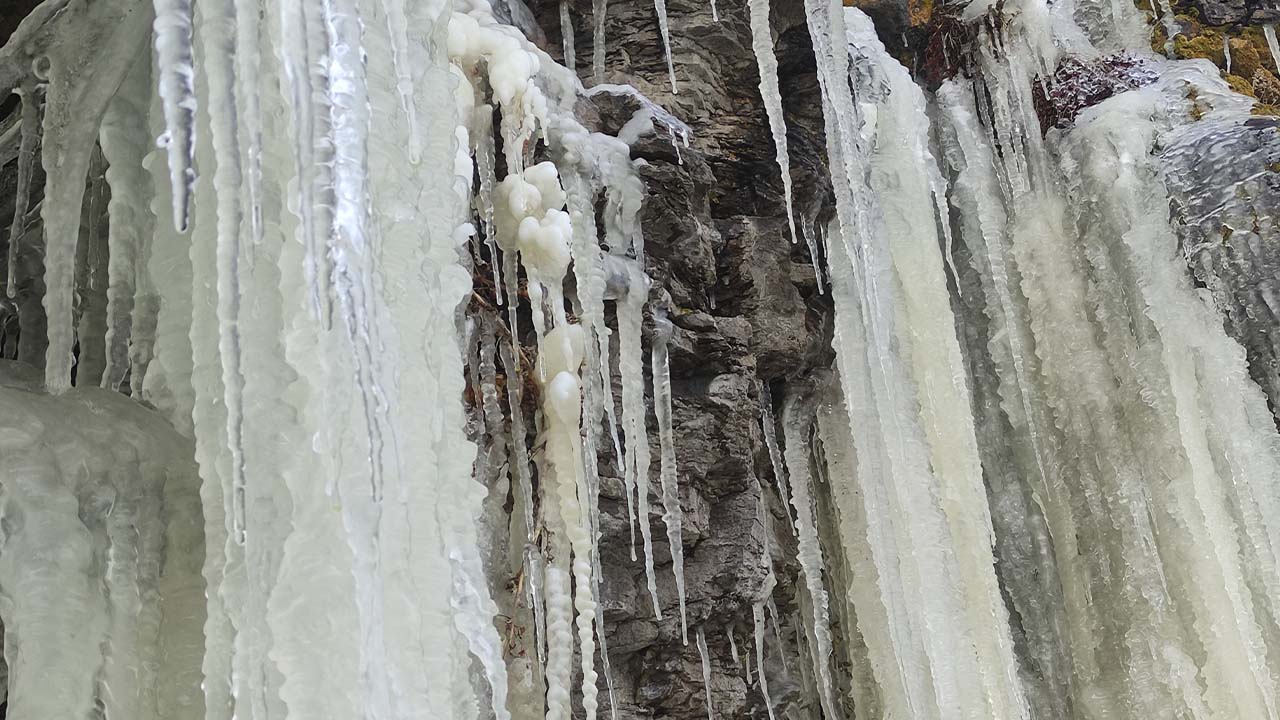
(747,310)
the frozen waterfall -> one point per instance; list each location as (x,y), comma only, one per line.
(336,379)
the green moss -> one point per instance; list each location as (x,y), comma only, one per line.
(1207,46)
(1240,85)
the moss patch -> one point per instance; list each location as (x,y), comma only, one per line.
(1252,72)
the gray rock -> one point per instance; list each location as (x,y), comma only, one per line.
(746,309)
(1228,12)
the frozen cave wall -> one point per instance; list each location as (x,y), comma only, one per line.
(748,307)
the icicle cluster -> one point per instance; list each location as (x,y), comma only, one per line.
(935,626)
(321,279)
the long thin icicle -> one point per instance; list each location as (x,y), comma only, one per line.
(30,124)
(796,418)
(302,42)
(219,43)
(757,617)
(671,515)
(124,140)
(765,594)
(660,6)
(767,64)
(599,10)
(630,317)
(396,22)
(176,61)
(566,29)
(770,426)
(1269,31)
(701,639)
(248,70)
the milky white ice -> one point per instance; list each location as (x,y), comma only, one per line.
(767,66)
(95,548)
(1269,31)
(305,516)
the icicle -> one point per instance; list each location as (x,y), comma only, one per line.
(529,219)
(304,40)
(597,386)
(797,414)
(76,97)
(248,70)
(396,22)
(145,320)
(209,425)
(767,65)
(518,435)
(1269,31)
(485,156)
(701,639)
(811,241)
(496,459)
(600,635)
(562,399)
(388,657)
(398,235)
(715,12)
(765,595)
(535,570)
(1226,50)
(30,128)
(757,615)
(660,7)
(91,277)
(671,515)
(598,17)
(769,425)
(808,685)
(902,369)
(218,61)
(976,196)
(176,62)
(472,609)
(566,30)
(124,140)
(559,673)
(630,316)
(777,630)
